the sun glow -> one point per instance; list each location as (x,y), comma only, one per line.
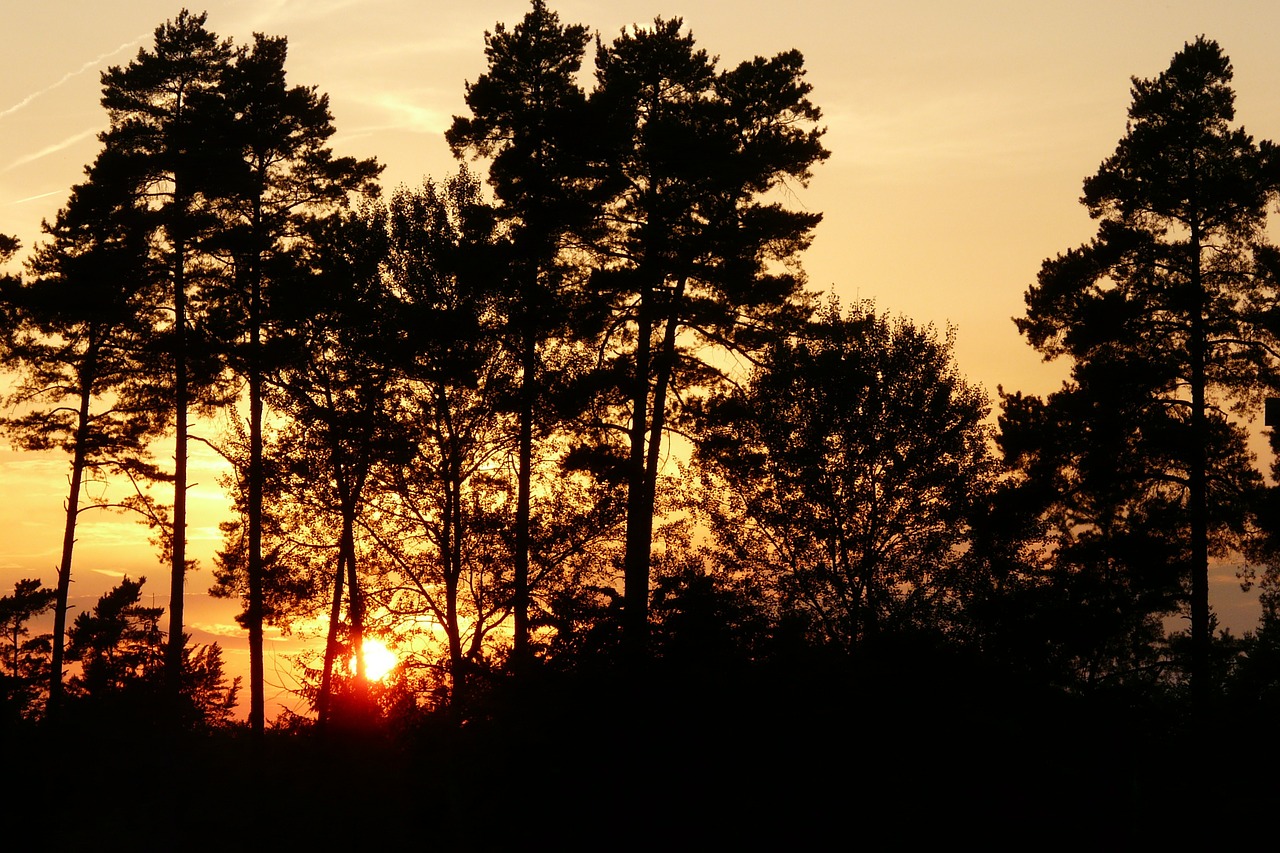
(379,661)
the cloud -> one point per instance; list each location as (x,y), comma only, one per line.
(277,12)
(88,66)
(404,112)
(52,149)
(109,573)
(218,629)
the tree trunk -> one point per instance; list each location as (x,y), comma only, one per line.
(666,365)
(355,601)
(1201,632)
(520,603)
(79,456)
(635,594)
(331,645)
(178,541)
(257,670)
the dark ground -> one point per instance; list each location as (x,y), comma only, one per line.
(709,762)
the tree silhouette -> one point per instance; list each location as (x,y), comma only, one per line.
(335,397)
(1174,291)
(279,174)
(528,114)
(442,509)
(844,472)
(121,651)
(74,335)
(24,660)
(158,107)
(694,254)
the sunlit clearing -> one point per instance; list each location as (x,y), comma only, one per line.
(378,660)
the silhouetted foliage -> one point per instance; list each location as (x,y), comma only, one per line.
(159,107)
(279,174)
(1165,317)
(75,337)
(443,507)
(529,117)
(695,253)
(841,477)
(24,660)
(121,651)
(641,524)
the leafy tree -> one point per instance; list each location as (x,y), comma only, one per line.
(25,661)
(1173,293)
(528,115)
(74,335)
(442,512)
(843,474)
(696,253)
(159,106)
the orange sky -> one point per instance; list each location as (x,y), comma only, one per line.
(960,133)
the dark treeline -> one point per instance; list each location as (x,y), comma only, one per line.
(660,536)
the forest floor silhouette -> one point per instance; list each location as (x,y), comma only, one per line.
(748,759)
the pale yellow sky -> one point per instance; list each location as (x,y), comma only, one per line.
(960,134)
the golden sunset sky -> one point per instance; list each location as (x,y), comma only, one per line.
(960,134)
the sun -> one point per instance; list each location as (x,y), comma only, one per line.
(379,661)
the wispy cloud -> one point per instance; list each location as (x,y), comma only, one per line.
(109,573)
(218,629)
(404,111)
(52,149)
(274,13)
(87,66)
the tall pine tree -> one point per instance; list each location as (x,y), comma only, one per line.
(73,335)
(279,174)
(158,107)
(1173,294)
(527,114)
(698,253)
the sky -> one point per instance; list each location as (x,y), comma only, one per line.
(959,136)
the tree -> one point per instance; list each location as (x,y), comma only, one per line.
(442,513)
(158,106)
(1175,289)
(696,254)
(339,426)
(25,660)
(843,474)
(74,335)
(118,643)
(122,651)
(1098,488)
(280,174)
(528,115)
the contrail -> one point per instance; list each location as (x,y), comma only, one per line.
(33,198)
(50,149)
(92,63)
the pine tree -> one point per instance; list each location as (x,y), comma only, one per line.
(527,115)
(1173,295)
(74,336)
(279,173)
(159,106)
(696,255)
